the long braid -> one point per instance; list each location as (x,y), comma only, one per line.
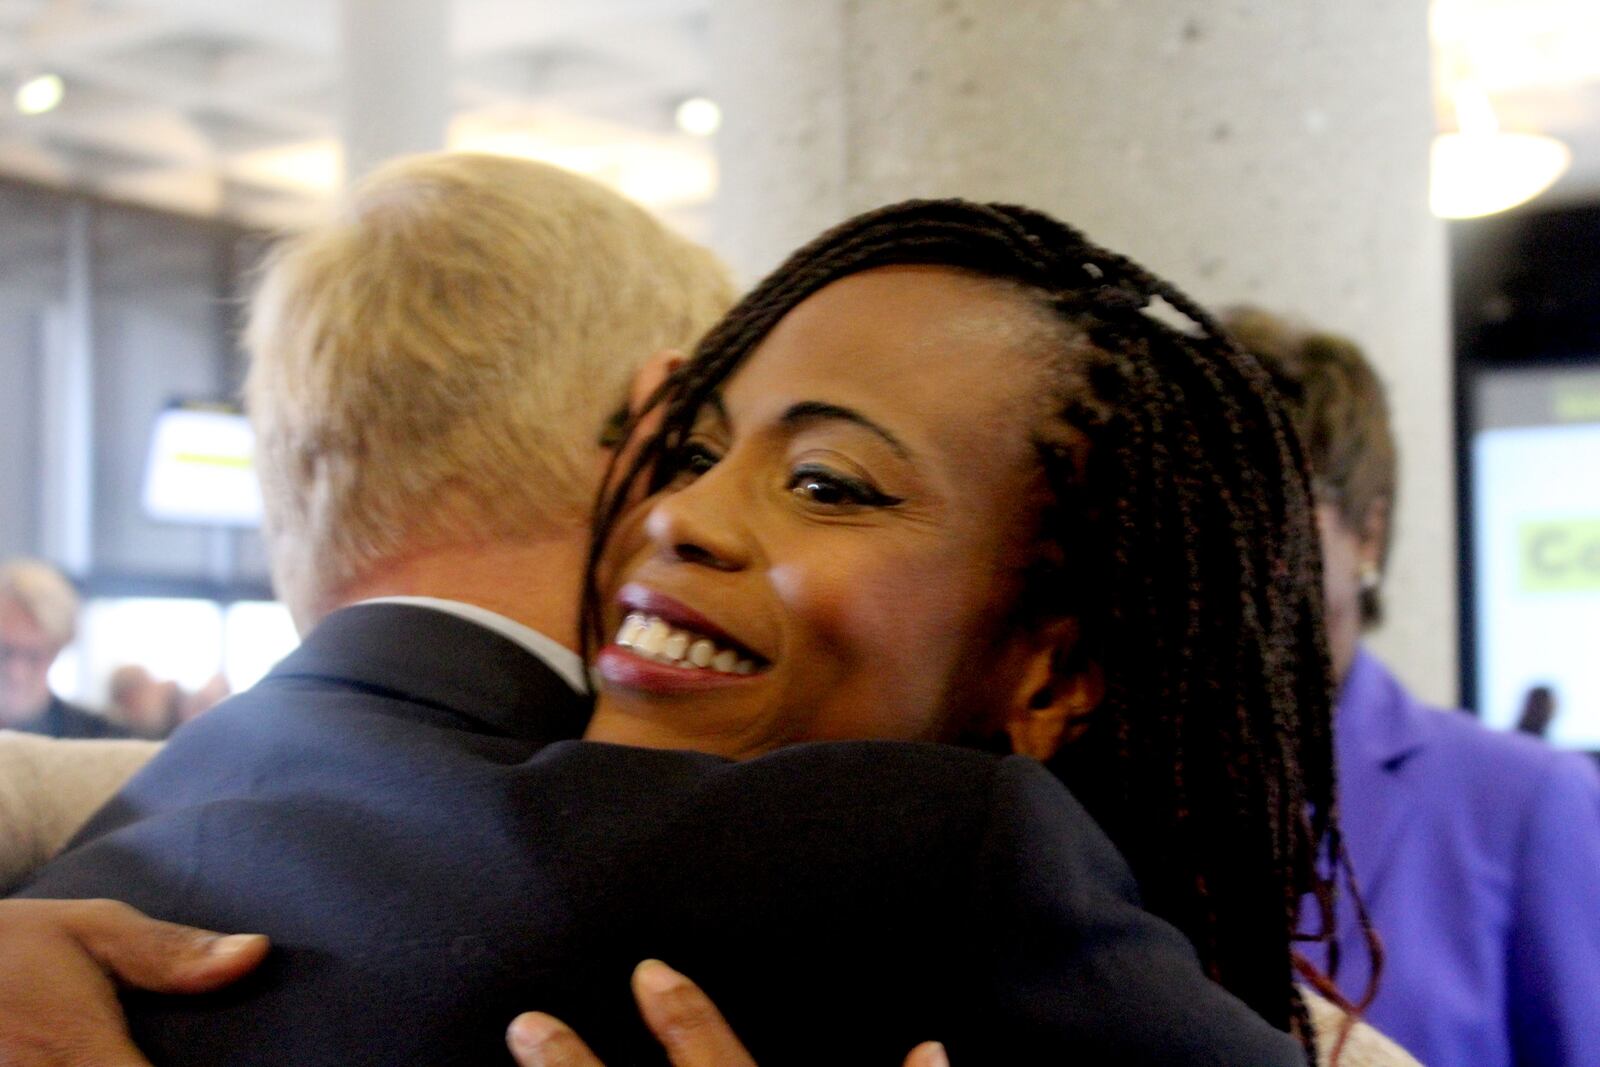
(1209,761)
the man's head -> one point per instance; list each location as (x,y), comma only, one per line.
(432,369)
(1342,417)
(38,618)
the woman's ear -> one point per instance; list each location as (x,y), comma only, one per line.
(649,377)
(646,380)
(1058,687)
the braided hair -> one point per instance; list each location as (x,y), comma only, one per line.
(1209,761)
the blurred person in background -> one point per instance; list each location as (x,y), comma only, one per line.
(1478,852)
(151,707)
(39,618)
(1538,710)
(215,690)
(146,706)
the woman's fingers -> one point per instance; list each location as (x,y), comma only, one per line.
(684,1020)
(540,1040)
(681,1016)
(159,956)
(928,1054)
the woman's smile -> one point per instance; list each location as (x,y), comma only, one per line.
(665,647)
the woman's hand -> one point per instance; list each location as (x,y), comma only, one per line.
(61,961)
(683,1019)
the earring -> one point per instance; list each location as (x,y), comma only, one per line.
(1369,576)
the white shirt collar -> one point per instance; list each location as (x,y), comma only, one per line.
(559,658)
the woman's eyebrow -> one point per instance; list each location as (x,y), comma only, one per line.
(808,411)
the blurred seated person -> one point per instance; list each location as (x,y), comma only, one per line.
(38,618)
(1478,852)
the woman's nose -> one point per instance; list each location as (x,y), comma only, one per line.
(698,524)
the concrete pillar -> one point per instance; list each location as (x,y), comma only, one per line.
(1268,151)
(66,406)
(395,93)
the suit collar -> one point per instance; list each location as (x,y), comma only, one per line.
(429,656)
(1379,728)
(1378,722)
(556,656)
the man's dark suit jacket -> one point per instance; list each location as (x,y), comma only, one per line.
(400,806)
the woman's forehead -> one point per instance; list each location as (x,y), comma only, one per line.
(943,367)
(935,334)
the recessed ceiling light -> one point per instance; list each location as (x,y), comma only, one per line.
(40,94)
(1483,173)
(1483,169)
(699,117)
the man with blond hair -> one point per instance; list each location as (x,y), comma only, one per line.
(430,375)
(39,618)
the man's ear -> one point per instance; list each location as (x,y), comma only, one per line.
(1057,688)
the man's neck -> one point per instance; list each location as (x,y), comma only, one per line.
(535,583)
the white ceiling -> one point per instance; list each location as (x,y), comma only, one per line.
(227,107)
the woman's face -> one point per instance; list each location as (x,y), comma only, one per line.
(842,550)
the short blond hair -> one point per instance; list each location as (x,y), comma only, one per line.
(44,595)
(434,367)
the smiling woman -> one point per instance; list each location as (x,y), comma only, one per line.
(834,533)
(943,476)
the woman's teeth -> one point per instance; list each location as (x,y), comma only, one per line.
(659,640)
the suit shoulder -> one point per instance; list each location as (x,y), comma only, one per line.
(244,718)
(908,777)
(280,705)
(1011,797)
(1513,760)
(253,734)
(894,757)
(1039,830)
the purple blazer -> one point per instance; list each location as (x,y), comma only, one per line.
(1478,853)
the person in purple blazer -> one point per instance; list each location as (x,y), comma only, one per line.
(1477,852)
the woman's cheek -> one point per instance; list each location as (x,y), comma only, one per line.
(625,550)
(877,612)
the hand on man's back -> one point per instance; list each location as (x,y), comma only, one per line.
(682,1017)
(61,963)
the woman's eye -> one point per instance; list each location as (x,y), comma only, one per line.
(692,460)
(827,488)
